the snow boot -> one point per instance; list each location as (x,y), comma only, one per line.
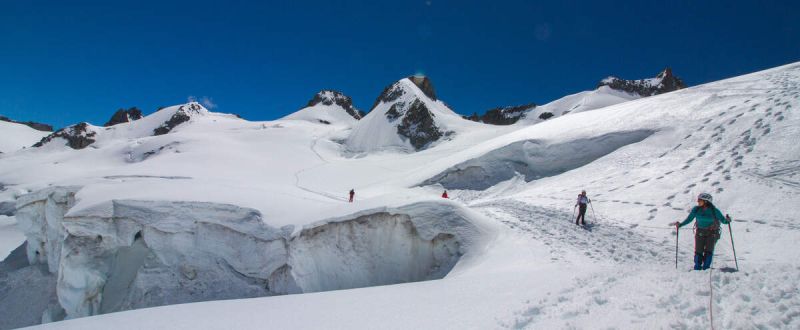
(698,260)
(707,261)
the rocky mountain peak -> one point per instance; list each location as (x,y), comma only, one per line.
(331,97)
(424,85)
(398,89)
(124,116)
(184,113)
(664,82)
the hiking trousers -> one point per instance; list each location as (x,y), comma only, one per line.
(581,215)
(704,241)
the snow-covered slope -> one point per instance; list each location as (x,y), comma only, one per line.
(407,116)
(609,91)
(330,108)
(14,136)
(260,209)
(601,97)
(161,122)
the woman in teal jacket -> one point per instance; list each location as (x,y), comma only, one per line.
(708,220)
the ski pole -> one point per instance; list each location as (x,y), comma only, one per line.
(730,231)
(677,232)
(593,216)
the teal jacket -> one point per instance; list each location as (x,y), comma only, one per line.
(704,216)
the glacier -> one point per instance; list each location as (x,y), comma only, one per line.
(131,254)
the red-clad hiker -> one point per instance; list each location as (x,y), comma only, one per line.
(444,194)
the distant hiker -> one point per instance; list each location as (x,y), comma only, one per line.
(708,219)
(352,193)
(444,194)
(581,204)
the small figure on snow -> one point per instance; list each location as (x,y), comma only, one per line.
(352,194)
(581,204)
(708,219)
(444,194)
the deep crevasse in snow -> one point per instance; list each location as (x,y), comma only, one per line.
(148,253)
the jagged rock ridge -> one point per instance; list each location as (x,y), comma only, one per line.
(503,115)
(331,97)
(78,136)
(663,83)
(124,116)
(181,116)
(425,85)
(31,124)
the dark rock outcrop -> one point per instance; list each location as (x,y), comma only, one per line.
(181,116)
(124,116)
(663,83)
(414,121)
(389,94)
(418,126)
(31,124)
(394,91)
(545,115)
(425,85)
(503,116)
(331,97)
(78,136)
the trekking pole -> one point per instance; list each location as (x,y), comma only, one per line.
(593,216)
(677,232)
(573,214)
(730,231)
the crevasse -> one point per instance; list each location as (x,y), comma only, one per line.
(152,253)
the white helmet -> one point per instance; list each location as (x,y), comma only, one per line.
(706,197)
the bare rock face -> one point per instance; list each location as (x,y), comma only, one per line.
(78,136)
(414,121)
(181,116)
(663,83)
(31,124)
(425,85)
(504,115)
(331,97)
(124,116)
(419,126)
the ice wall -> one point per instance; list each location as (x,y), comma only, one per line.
(533,159)
(139,254)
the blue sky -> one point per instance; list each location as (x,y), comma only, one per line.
(62,63)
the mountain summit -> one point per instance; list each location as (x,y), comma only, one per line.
(331,97)
(124,116)
(664,82)
(407,115)
(329,107)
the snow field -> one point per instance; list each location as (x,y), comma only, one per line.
(533,267)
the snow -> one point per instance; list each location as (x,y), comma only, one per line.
(15,136)
(601,97)
(520,261)
(10,237)
(375,132)
(324,114)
